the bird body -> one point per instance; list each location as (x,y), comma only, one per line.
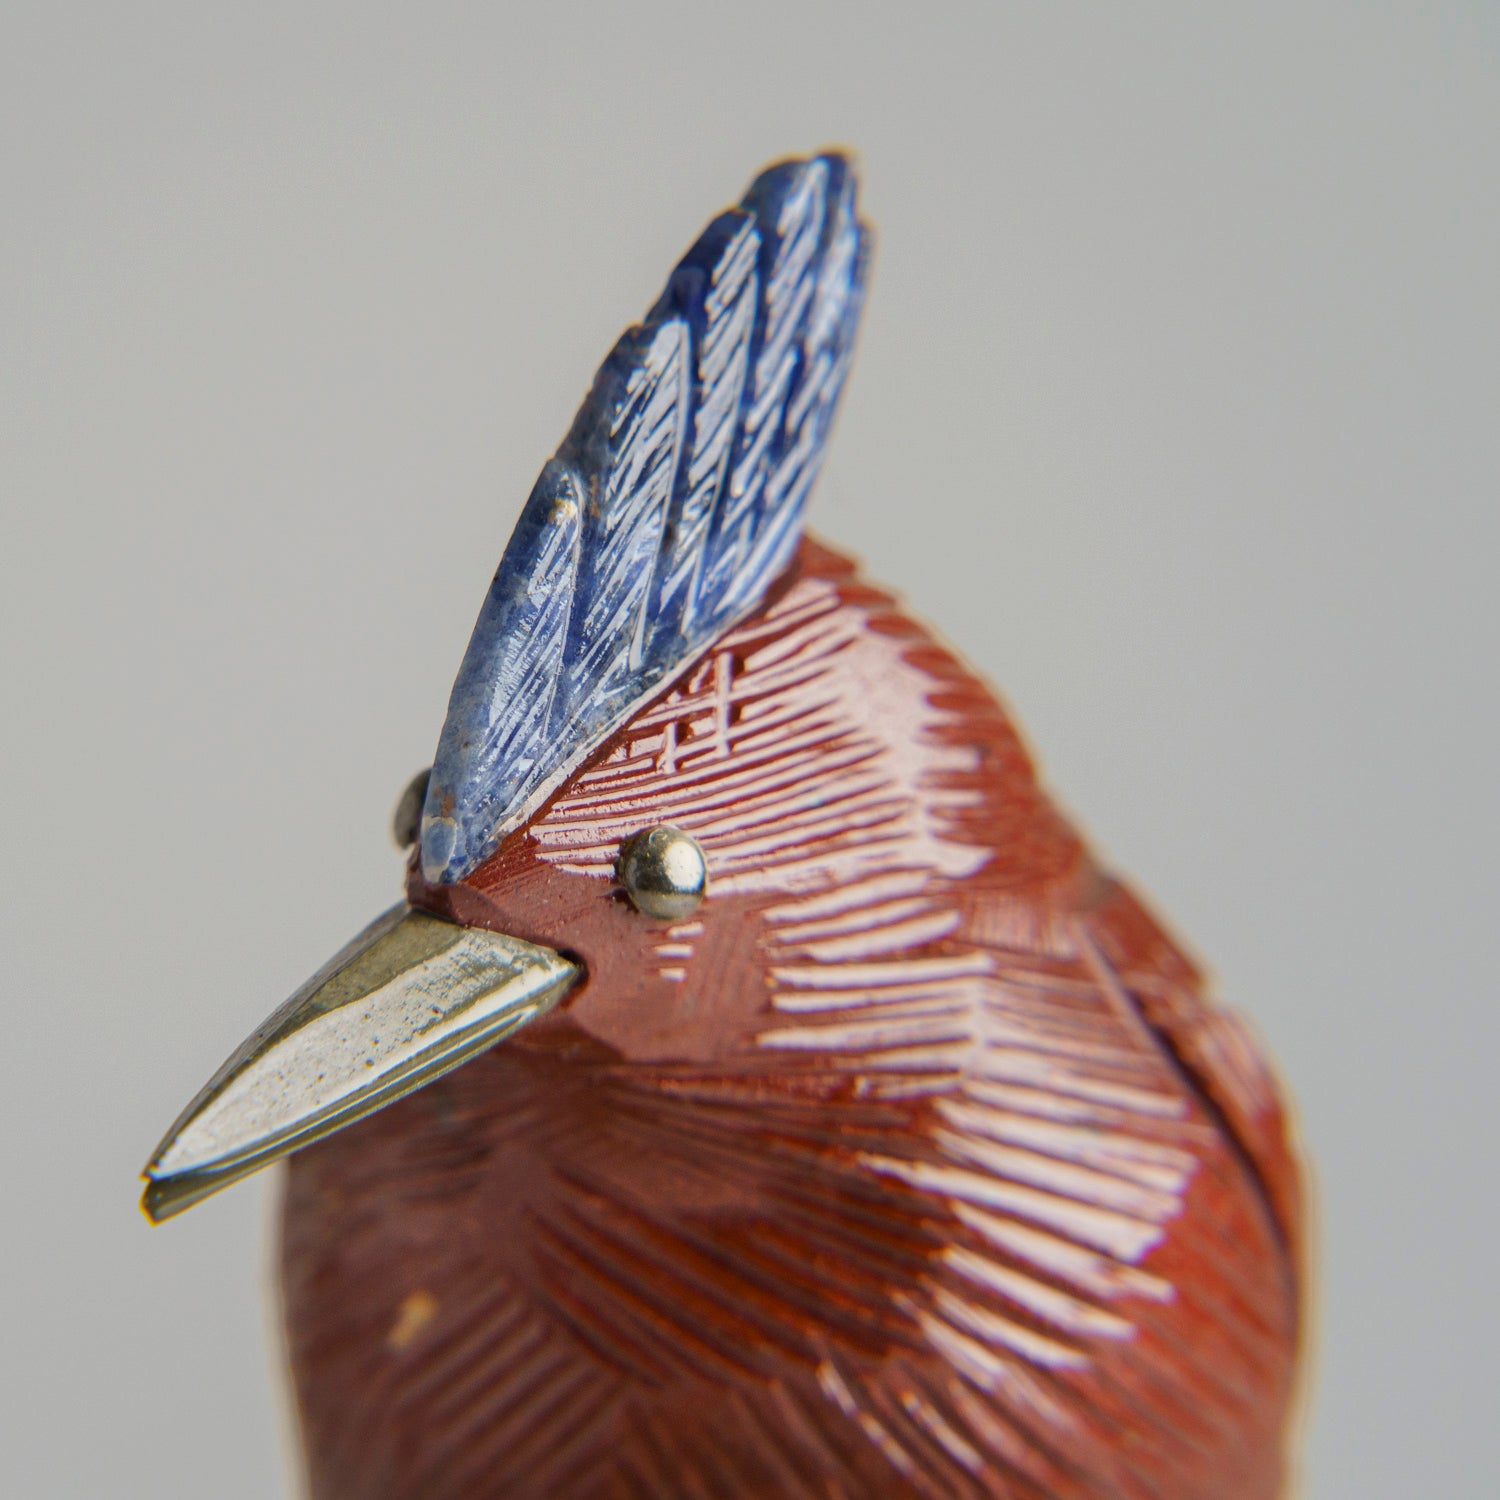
(850,1132)
(914,1163)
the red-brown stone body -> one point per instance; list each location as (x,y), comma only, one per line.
(915,1163)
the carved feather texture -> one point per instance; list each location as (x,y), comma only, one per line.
(674,502)
(901,1168)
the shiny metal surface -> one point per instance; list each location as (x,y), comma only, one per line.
(406,821)
(409,999)
(664,872)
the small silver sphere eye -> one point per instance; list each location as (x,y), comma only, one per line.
(663,872)
(406,821)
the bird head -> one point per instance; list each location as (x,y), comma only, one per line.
(632,701)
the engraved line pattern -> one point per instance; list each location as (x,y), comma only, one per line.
(943,1216)
(722,343)
(677,495)
(641,396)
(1064,1143)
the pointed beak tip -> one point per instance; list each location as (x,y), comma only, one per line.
(155,1203)
(167,1194)
(408,1000)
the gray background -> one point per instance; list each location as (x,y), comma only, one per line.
(1176,409)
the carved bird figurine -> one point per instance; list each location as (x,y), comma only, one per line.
(761,1091)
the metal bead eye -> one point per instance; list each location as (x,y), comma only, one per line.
(406,821)
(663,872)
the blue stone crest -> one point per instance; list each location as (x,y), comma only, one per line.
(673,503)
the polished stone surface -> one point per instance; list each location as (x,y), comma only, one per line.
(674,501)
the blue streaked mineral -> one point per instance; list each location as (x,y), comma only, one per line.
(674,501)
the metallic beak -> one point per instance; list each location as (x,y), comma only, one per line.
(408,1000)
